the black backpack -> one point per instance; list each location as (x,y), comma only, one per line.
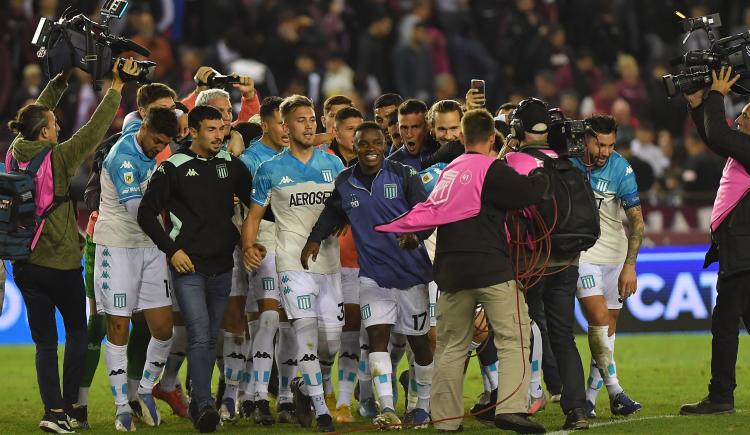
(576,227)
(92,193)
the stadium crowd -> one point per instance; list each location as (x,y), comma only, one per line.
(274,242)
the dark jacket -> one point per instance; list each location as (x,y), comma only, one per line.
(198,195)
(730,243)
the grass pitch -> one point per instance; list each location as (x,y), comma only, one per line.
(660,371)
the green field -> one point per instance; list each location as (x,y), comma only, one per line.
(660,371)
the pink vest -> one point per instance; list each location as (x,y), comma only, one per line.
(457,196)
(524,163)
(734,185)
(44,186)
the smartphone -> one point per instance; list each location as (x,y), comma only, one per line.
(478,85)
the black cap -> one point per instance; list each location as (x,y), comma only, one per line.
(534,115)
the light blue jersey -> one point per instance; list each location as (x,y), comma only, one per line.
(296,193)
(614,188)
(253,156)
(430,175)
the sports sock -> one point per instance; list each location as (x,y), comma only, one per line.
(363,371)
(307,358)
(329,342)
(602,354)
(116,359)
(234,363)
(594,382)
(286,360)
(137,347)
(423,379)
(170,378)
(268,324)
(348,362)
(156,358)
(97,329)
(535,386)
(380,364)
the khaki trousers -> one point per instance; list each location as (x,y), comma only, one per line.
(508,314)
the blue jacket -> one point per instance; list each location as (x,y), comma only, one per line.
(396,188)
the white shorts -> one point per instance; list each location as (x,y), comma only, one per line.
(350,285)
(130,279)
(433,290)
(313,295)
(406,310)
(239,275)
(264,281)
(600,279)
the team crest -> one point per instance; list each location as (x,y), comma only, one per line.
(303,302)
(587,281)
(268,284)
(426,177)
(365,312)
(119,300)
(601,185)
(327,175)
(221,170)
(354,201)
(442,189)
(128,177)
(390,191)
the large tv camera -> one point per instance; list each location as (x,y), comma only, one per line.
(80,42)
(697,65)
(567,137)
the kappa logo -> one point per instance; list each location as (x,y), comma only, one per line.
(287,290)
(191,173)
(236,355)
(286,180)
(327,175)
(159,364)
(628,170)
(390,191)
(303,302)
(119,299)
(260,354)
(126,165)
(117,372)
(441,192)
(221,170)
(351,356)
(105,253)
(587,281)
(105,275)
(128,177)
(309,357)
(161,169)
(285,279)
(290,362)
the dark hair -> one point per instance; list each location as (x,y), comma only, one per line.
(368,125)
(412,106)
(162,121)
(250,131)
(444,106)
(151,92)
(346,113)
(179,106)
(29,121)
(506,106)
(386,100)
(603,124)
(336,100)
(393,119)
(292,102)
(269,106)
(202,113)
(477,126)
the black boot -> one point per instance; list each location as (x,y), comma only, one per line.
(518,422)
(707,407)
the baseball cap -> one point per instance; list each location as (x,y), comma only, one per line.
(534,115)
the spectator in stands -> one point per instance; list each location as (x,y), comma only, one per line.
(158,45)
(626,122)
(701,172)
(645,148)
(644,175)
(371,62)
(630,86)
(413,67)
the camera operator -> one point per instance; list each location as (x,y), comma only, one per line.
(250,104)
(730,224)
(51,277)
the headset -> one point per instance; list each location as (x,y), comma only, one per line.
(517,128)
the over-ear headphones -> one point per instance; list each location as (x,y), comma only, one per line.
(517,128)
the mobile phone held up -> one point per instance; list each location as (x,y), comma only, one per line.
(479,86)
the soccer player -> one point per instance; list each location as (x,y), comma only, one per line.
(130,272)
(265,288)
(606,273)
(295,184)
(393,281)
(412,125)
(346,122)
(383,106)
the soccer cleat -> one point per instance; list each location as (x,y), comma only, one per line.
(228,410)
(124,422)
(344,414)
(623,405)
(135,407)
(421,419)
(519,423)
(590,409)
(325,423)
(706,407)
(387,420)
(150,413)
(175,399)
(263,413)
(408,417)
(484,410)
(79,417)
(247,408)
(285,412)
(56,422)
(331,403)
(302,403)
(576,420)
(208,420)
(537,404)
(368,408)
